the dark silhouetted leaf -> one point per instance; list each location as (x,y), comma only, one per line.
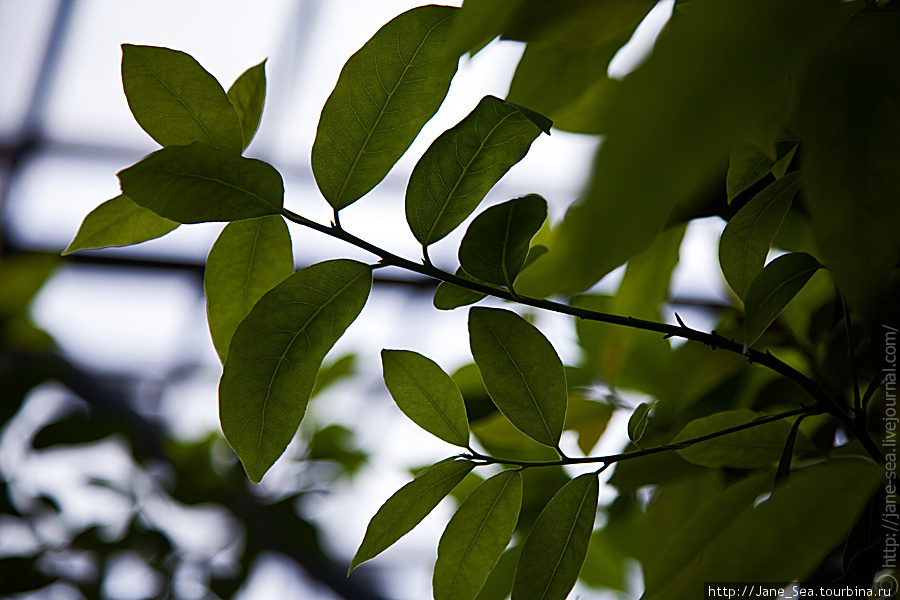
(119,222)
(426,394)
(275,353)
(496,244)
(476,536)
(175,100)
(199,183)
(555,549)
(850,152)
(249,258)
(464,163)
(748,165)
(521,371)
(385,93)
(408,506)
(748,237)
(248,96)
(773,288)
(780,540)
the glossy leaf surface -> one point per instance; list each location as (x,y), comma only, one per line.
(275,353)
(747,449)
(175,100)
(747,238)
(555,549)
(496,244)
(522,372)
(385,93)
(408,506)
(119,222)
(249,258)
(773,288)
(248,96)
(426,394)
(198,183)
(464,163)
(850,152)
(476,536)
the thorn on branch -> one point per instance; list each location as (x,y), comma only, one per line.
(680,322)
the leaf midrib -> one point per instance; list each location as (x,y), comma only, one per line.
(183,103)
(246,191)
(287,348)
(381,113)
(431,400)
(522,377)
(568,539)
(462,176)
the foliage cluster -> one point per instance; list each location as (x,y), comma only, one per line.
(780,117)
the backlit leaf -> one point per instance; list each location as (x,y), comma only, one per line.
(496,244)
(249,258)
(746,449)
(199,183)
(773,288)
(248,96)
(119,222)
(464,163)
(748,165)
(476,536)
(555,549)
(175,100)
(747,238)
(385,93)
(275,353)
(448,296)
(522,372)
(637,424)
(409,505)
(426,394)
(850,153)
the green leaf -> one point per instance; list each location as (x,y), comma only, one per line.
(408,506)
(773,288)
(746,449)
(780,540)
(637,424)
(496,244)
(679,125)
(555,549)
(248,259)
(426,394)
(476,536)
(448,296)
(748,236)
(384,95)
(747,166)
(587,418)
(521,371)
(464,163)
(248,96)
(119,222)
(479,22)
(198,183)
(175,100)
(850,154)
(275,353)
